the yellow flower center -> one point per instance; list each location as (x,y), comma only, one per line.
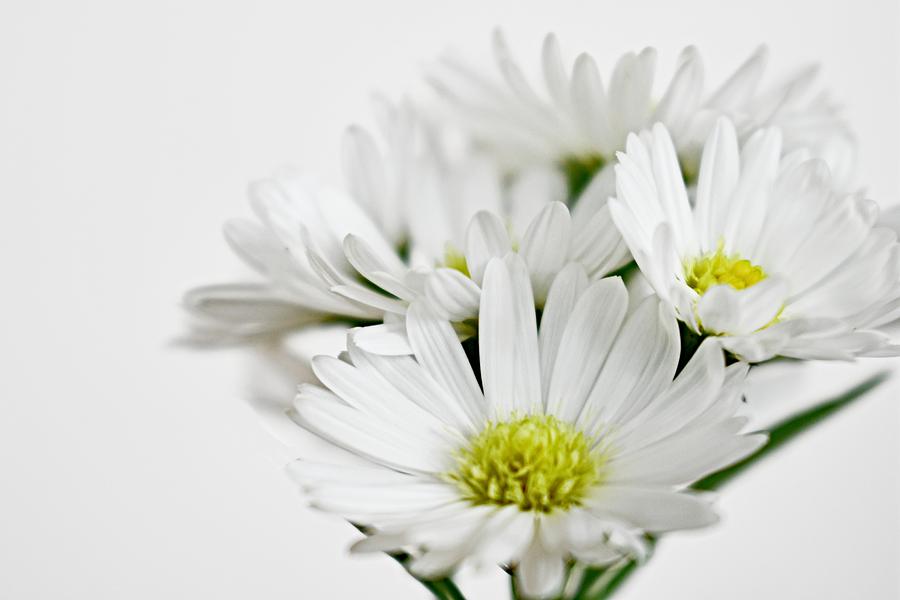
(454,259)
(717,268)
(537,463)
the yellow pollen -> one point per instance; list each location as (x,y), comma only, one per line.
(454,259)
(717,268)
(537,463)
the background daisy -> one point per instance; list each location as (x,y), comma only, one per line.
(771,259)
(405,197)
(577,120)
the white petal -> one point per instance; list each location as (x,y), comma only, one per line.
(364,170)
(686,456)
(369,265)
(726,310)
(689,396)
(630,90)
(590,103)
(545,247)
(438,350)
(449,543)
(504,537)
(313,474)
(248,304)
(554,71)
(453,294)
(388,339)
(771,341)
(672,195)
(719,171)
(742,84)
(370,298)
(682,98)
(598,246)
(530,192)
(540,574)
(407,378)
(564,293)
(585,344)
(507,331)
(427,528)
(640,366)
(354,431)
(345,217)
(652,509)
(748,204)
(255,245)
(364,502)
(838,347)
(486,238)
(367,391)
(595,196)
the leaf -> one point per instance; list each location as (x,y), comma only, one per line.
(600,584)
(790,428)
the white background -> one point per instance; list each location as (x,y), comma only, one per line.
(128,132)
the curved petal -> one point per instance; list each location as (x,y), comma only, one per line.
(545,247)
(652,509)
(486,238)
(725,310)
(453,294)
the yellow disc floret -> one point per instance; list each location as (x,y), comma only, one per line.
(718,268)
(537,463)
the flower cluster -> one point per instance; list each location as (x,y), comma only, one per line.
(549,325)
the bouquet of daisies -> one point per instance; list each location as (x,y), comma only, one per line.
(551,297)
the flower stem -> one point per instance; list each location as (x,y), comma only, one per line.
(442,589)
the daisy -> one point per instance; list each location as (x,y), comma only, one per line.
(572,442)
(406,198)
(577,123)
(291,210)
(453,286)
(772,259)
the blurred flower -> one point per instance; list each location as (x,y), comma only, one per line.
(409,198)
(579,443)
(772,259)
(454,287)
(577,124)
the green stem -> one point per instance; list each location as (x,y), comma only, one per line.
(595,580)
(615,582)
(601,583)
(442,589)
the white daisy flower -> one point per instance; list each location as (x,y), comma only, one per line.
(407,199)
(772,259)
(453,287)
(576,441)
(577,123)
(291,211)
